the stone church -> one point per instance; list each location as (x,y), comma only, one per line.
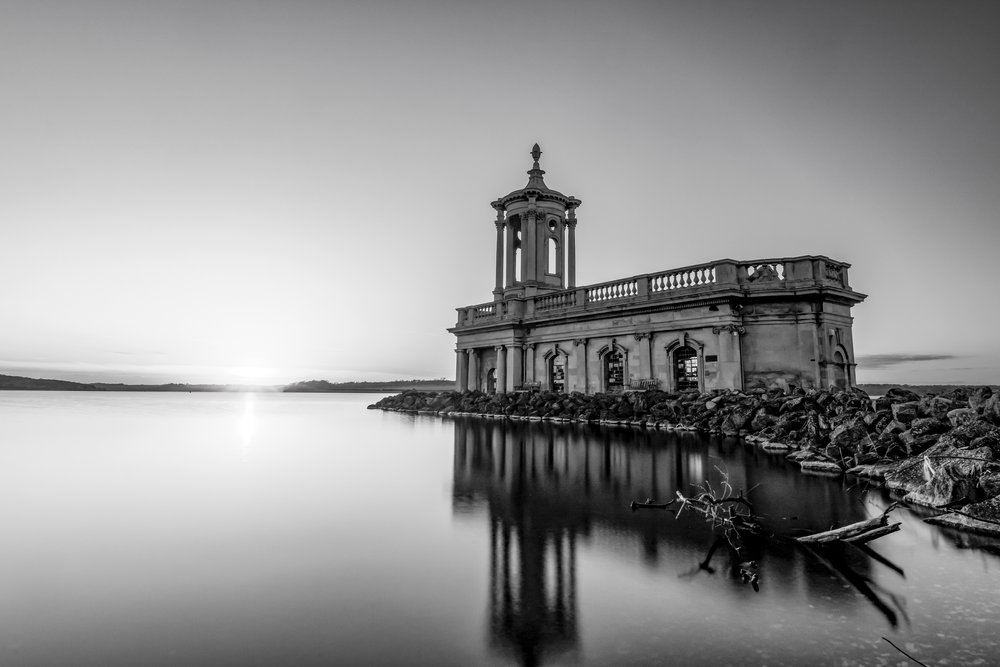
(726,324)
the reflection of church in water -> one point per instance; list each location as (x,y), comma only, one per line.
(724,324)
(547,488)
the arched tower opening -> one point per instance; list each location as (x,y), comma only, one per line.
(536,238)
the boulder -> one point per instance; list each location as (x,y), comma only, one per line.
(905,412)
(762,420)
(990,409)
(928,426)
(850,435)
(944,474)
(934,406)
(983,517)
(961,416)
(900,395)
(915,443)
(979,396)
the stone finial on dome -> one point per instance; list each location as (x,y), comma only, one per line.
(535,173)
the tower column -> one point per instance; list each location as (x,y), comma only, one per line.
(498,289)
(529,229)
(511,254)
(571,250)
(502,369)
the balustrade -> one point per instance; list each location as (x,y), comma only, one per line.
(557,300)
(768,274)
(671,280)
(485,310)
(616,290)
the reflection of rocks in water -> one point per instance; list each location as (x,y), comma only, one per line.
(546,487)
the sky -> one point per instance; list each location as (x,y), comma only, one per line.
(276,191)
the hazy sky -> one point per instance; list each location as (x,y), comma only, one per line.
(277,191)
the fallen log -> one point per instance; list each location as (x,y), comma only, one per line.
(859,532)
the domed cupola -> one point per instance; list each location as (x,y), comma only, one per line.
(536,237)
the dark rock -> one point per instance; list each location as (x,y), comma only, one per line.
(762,420)
(928,426)
(944,474)
(914,443)
(905,412)
(934,406)
(961,416)
(979,396)
(900,395)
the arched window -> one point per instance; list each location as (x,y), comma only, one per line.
(491,381)
(614,371)
(552,261)
(557,373)
(839,370)
(685,368)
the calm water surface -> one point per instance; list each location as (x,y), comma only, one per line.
(296,529)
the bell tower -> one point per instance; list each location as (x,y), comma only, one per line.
(536,238)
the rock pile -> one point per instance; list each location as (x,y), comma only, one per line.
(938,450)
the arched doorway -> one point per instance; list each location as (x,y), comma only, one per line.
(839,370)
(557,373)
(491,381)
(685,368)
(614,371)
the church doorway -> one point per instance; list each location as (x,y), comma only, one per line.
(491,381)
(685,368)
(614,371)
(557,373)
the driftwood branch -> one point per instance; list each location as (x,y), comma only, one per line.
(905,653)
(650,504)
(860,532)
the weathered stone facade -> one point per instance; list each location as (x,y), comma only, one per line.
(725,324)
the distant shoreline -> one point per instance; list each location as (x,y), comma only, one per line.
(17,383)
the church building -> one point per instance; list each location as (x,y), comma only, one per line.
(726,324)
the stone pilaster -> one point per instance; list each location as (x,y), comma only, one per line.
(516,362)
(581,365)
(461,370)
(502,369)
(473,365)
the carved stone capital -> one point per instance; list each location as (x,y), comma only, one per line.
(734,329)
(641,335)
(579,341)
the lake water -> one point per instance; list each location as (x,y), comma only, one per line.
(303,529)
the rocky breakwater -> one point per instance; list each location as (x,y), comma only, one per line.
(941,451)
